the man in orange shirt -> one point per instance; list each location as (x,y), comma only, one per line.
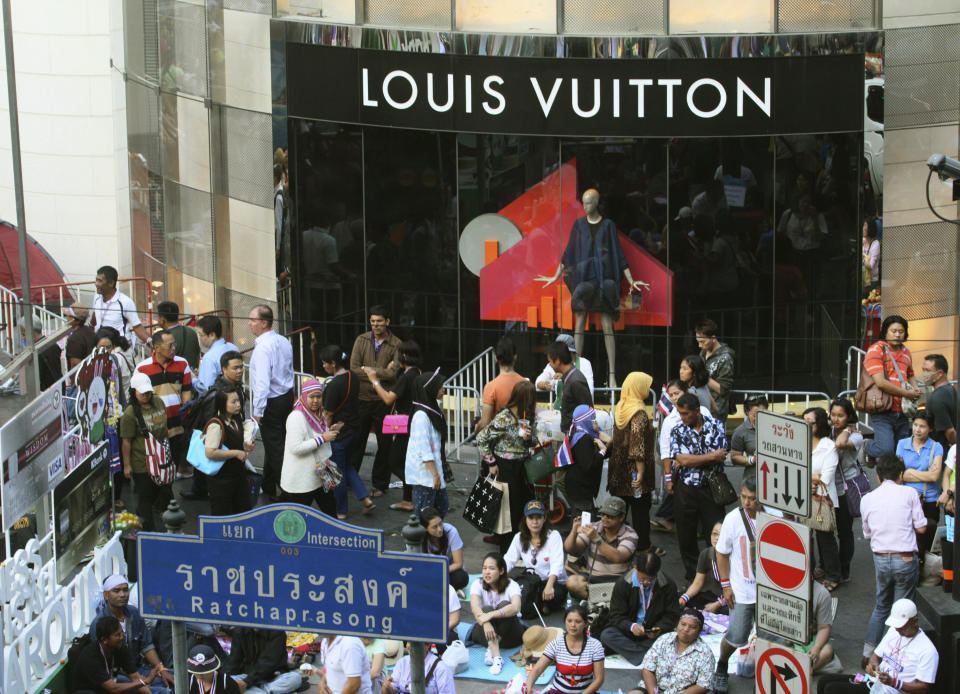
(882,362)
(496,394)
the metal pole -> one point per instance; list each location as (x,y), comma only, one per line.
(173,519)
(32,385)
(413,534)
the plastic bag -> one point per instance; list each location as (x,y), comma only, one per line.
(518,685)
(456,657)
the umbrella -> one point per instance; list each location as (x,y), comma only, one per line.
(43,269)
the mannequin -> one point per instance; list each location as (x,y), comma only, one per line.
(592,265)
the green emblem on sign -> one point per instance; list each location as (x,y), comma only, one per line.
(289,527)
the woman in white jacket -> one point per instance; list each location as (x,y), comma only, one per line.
(540,550)
(824,470)
(308,474)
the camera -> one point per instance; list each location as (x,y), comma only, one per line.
(945,167)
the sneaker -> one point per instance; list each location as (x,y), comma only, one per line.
(497,666)
(488,658)
(396,484)
(461,594)
(721,682)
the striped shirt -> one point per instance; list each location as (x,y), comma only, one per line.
(168,382)
(874,362)
(574,672)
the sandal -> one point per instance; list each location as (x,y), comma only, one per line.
(400,507)
(660,552)
(830,585)
(368,508)
(376,494)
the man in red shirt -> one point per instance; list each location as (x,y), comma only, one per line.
(881,362)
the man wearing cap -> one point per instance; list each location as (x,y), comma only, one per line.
(105,665)
(905,660)
(203,665)
(551,380)
(137,636)
(610,544)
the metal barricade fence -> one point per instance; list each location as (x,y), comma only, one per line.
(855,357)
(786,397)
(461,407)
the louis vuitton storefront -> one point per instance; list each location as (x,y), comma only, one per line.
(441,173)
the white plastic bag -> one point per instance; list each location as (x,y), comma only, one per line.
(518,685)
(456,657)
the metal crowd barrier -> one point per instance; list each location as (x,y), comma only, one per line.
(787,397)
(467,381)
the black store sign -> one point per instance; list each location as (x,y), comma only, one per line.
(576,97)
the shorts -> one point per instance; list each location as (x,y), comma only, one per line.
(741,623)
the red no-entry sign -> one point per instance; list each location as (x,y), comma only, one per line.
(783,556)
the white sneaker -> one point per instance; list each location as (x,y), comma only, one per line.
(488,658)
(497,666)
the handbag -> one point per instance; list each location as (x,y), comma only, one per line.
(854,489)
(721,489)
(396,424)
(482,507)
(869,398)
(197,452)
(907,406)
(823,517)
(540,465)
(160,467)
(504,523)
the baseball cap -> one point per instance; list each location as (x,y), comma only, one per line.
(684,213)
(613,506)
(140,382)
(202,660)
(903,611)
(534,508)
(568,341)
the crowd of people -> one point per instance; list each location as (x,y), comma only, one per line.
(314,438)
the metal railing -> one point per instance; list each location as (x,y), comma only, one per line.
(302,340)
(855,357)
(786,397)
(468,381)
(62,294)
(11,318)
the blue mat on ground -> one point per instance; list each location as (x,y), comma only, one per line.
(479,671)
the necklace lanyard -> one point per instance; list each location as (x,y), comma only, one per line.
(644,598)
(213,687)
(105,663)
(569,374)
(896,655)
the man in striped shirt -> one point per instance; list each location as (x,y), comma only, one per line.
(171,379)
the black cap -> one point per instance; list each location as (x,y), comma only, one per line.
(202,660)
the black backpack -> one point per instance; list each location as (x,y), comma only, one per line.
(73,653)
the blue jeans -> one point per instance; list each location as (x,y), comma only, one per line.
(428,496)
(896,578)
(341,456)
(888,428)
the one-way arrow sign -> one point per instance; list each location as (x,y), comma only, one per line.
(783,462)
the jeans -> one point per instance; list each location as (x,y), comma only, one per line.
(281,684)
(888,428)
(632,648)
(342,448)
(896,578)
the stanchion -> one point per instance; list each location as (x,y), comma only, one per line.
(173,519)
(413,534)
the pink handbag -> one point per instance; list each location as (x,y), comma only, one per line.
(396,424)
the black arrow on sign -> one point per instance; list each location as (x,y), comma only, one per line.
(780,673)
(786,487)
(786,671)
(799,488)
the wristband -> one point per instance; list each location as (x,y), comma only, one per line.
(752,459)
(685,598)
(502,615)
(319,439)
(723,603)
(897,683)
(724,582)
(668,477)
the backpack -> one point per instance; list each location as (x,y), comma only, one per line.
(73,654)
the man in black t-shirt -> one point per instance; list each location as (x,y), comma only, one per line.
(576,390)
(96,667)
(942,401)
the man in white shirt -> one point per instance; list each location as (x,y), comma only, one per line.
(114,309)
(736,555)
(346,665)
(549,379)
(272,393)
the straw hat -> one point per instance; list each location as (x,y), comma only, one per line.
(536,639)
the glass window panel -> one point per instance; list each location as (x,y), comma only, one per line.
(432,14)
(337,11)
(183,47)
(188,230)
(721,16)
(612,17)
(533,16)
(809,16)
(140,39)
(186,141)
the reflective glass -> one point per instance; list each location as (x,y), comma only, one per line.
(531,17)
(721,16)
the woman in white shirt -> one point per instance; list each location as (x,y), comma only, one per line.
(823,470)
(423,469)
(495,603)
(540,549)
(309,473)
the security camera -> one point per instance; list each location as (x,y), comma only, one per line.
(944,166)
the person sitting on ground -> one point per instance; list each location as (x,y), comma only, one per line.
(346,667)
(453,617)
(704,591)
(610,544)
(540,549)
(444,539)
(97,666)
(495,603)
(578,656)
(259,658)
(820,649)
(679,661)
(643,606)
(206,677)
(437,676)
(905,660)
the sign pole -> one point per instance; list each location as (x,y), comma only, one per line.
(413,534)
(173,519)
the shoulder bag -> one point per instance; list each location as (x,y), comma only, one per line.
(752,539)
(823,517)
(721,489)
(160,466)
(197,452)
(907,406)
(854,489)
(482,508)
(869,398)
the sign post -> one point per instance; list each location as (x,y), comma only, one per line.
(781,670)
(784,589)
(783,462)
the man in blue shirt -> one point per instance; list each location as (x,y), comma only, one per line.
(211,337)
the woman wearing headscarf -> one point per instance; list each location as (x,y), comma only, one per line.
(588,447)
(505,444)
(309,473)
(428,437)
(631,470)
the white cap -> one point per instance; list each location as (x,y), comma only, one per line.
(684,213)
(903,611)
(140,382)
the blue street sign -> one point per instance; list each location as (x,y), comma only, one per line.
(290,567)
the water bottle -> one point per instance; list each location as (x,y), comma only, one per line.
(636,490)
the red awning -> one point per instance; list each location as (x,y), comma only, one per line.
(43,269)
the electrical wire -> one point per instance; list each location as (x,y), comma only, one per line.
(930,204)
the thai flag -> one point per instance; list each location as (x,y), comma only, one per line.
(564,455)
(665,406)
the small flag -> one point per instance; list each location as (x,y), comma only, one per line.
(664,406)
(564,455)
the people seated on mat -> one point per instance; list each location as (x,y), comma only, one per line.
(346,667)
(453,618)
(679,661)
(259,658)
(105,664)
(588,446)
(495,603)
(606,547)
(437,675)
(376,651)
(578,657)
(643,606)
(820,649)
(704,591)
(539,549)
(444,539)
